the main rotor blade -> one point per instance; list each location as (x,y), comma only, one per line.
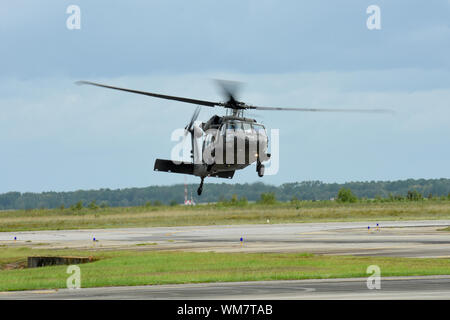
(156,95)
(232,103)
(322,110)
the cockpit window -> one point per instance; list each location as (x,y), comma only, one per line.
(247,127)
(234,125)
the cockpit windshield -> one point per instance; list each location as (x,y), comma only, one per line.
(234,125)
(246,127)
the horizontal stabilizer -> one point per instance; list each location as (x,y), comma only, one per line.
(169,166)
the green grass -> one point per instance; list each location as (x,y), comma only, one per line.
(216,214)
(120,268)
(445,229)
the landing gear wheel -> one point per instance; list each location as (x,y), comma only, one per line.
(261,170)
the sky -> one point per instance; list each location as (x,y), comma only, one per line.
(57,136)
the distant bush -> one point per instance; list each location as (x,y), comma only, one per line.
(414,195)
(78,206)
(395,197)
(346,195)
(173,203)
(234,201)
(104,205)
(93,205)
(268,198)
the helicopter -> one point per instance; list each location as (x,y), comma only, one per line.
(230,142)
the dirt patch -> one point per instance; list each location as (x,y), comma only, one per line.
(14,265)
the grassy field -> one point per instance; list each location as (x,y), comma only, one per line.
(117,268)
(154,216)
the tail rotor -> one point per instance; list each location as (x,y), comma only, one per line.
(190,129)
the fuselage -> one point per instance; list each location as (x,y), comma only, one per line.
(231,143)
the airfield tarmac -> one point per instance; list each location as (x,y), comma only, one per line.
(430,287)
(393,238)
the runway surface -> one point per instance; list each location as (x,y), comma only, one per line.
(432,287)
(393,238)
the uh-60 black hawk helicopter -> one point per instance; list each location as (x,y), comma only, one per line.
(231,142)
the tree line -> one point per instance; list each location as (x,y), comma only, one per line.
(410,189)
